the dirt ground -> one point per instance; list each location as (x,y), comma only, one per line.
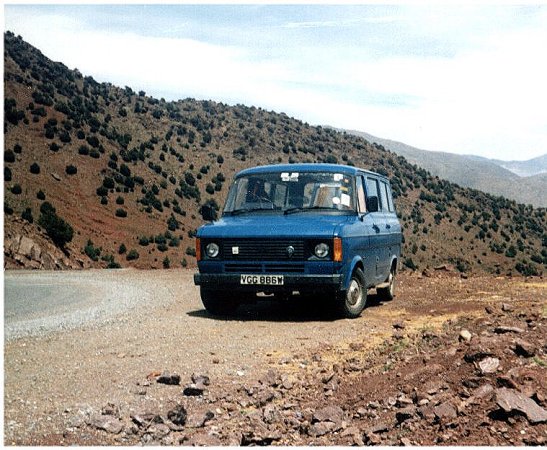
(450,361)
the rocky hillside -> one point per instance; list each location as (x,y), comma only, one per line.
(116,178)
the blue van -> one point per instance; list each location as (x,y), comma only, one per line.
(319,231)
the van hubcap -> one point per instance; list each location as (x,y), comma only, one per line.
(354,293)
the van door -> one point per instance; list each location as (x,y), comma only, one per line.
(378,233)
(392,223)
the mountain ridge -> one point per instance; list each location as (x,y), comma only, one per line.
(475,171)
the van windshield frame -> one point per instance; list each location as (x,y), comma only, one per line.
(292,192)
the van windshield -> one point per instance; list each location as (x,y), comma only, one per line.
(290,192)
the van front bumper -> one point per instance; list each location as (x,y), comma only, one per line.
(290,282)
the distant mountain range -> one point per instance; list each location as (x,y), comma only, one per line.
(531,167)
(523,181)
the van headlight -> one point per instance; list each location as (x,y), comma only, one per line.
(321,250)
(212,250)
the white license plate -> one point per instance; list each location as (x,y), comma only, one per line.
(267,280)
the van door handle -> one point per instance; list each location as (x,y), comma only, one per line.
(376,228)
(388,226)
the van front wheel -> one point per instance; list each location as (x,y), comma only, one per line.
(352,301)
(218,303)
(387,293)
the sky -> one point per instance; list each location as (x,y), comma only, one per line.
(467,79)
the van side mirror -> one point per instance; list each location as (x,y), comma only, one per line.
(372,204)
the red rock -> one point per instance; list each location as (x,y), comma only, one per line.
(511,400)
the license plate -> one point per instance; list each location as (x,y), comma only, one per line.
(267,280)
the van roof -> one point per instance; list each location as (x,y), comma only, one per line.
(306,167)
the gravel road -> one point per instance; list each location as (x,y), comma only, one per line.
(103,332)
(39,303)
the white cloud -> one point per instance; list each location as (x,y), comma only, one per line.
(486,99)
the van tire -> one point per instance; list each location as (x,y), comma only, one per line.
(352,301)
(387,294)
(218,303)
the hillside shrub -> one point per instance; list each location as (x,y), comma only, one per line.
(56,228)
(54,147)
(83,150)
(35,168)
(122,249)
(8,210)
(16,189)
(191,251)
(144,241)
(7,174)
(120,200)
(27,215)
(40,195)
(91,251)
(132,255)
(121,212)
(71,170)
(9,156)
(166,263)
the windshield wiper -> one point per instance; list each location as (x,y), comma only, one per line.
(302,208)
(237,212)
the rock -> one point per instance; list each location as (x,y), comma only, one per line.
(207,440)
(405,414)
(465,335)
(511,400)
(201,379)
(193,390)
(331,413)
(177,415)
(524,348)
(167,378)
(405,442)
(506,307)
(321,428)
(199,420)
(489,309)
(355,435)
(108,423)
(271,378)
(143,420)
(158,430)
(399,325)
(55,176)
(110,409)
(445,411)
(505,381)
(444,267)
(505,329)
(380,427)
(489,365)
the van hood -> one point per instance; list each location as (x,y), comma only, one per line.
(268,226)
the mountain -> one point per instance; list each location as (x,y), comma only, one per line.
(531,167)
(97,175)
(493,176)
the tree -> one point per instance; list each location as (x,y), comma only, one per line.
(35,169)
(57,229)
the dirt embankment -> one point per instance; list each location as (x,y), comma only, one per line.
(450,361)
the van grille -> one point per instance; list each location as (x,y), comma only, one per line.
(263,250)
(263,268)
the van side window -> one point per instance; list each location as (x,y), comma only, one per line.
(373,191)
(362,208)
(389,199)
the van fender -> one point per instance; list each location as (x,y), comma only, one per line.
(357,261)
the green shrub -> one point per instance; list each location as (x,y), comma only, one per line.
(35,169)
(166,263)
(91,251)
(191,251)
(16,189)
(120,200)
(27,215)
(132,255)
(40,195)
(71,170)
(122,249)
(9,156)
(121,212)
(83,150)
(7,174)
(57,229)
